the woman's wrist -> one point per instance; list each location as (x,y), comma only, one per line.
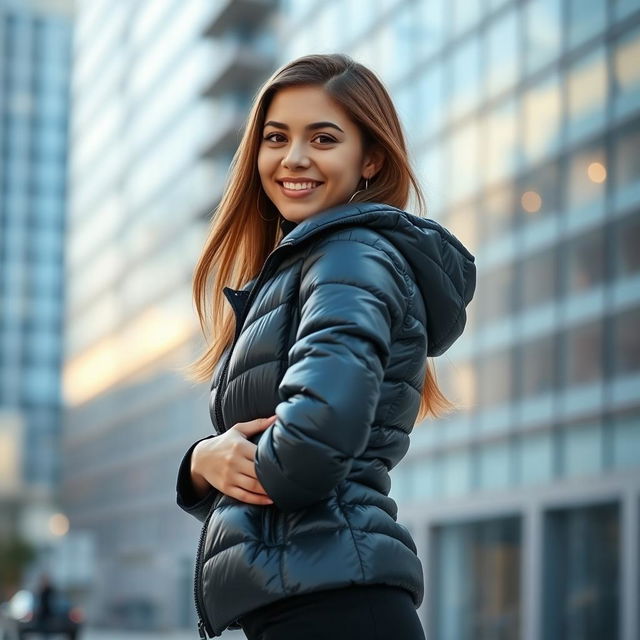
(200,484)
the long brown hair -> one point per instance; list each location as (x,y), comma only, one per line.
(245,228)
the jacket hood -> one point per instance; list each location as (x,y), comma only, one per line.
(444,269)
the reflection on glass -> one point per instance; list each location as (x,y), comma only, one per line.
(463,161)
(539,193)
(581,573)
(501,142)
(536,457)
(587,18)
(543,32)
(585,261)
(462,221)
(496,291)
(431,19)
(625,431)
(542,110)
(464,14)
(624,8)
(626,341)
(495,378)
(502,52)
(497,210)
(429,90)
(587,172)
(627,241)
(463,73)
(626,142)
(587,93)
(626,72)
(464,604)
(583,348)
(539,277)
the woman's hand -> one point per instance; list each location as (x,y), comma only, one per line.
(227,462)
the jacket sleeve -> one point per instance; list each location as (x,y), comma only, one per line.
(352,296)
(186,496)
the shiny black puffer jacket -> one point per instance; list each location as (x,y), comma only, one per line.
(331,336)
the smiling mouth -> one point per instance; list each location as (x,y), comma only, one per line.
(298,192)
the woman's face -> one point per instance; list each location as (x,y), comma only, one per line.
(307,137)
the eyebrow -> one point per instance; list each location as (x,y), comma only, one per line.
(312,126)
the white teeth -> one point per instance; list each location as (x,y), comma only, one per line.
(298,186)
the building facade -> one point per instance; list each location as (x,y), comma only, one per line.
(522,119)
(35,43)
(159,91)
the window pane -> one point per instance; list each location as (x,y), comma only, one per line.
(627,241)
(627,72)
(494,465)
(496,293)
(539,276)
(500,142)
(497,210)
(463,605)
(536,458)
(627,342)
(581,449)
(587,93)
(429,92)
(502,53)
(587,175)
(626,440)
(583,347)
(539,193)
(495,379)
(542,109)
(543,32)
(585,262)
(626,142)
(538,366)
(464,78)
(463,161)
(581,574)
(586,19)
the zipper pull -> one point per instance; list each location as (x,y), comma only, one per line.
(201,630)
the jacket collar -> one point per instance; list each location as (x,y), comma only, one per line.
(442,267)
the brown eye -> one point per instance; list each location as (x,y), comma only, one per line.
(329,139)
(268,137)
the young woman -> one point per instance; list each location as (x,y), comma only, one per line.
(318,366)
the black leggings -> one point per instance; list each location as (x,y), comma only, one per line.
(375,612)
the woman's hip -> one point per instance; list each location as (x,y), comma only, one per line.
(374,612)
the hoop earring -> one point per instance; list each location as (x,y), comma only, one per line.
(366,186)
(260,213)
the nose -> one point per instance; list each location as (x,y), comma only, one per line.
(295,157)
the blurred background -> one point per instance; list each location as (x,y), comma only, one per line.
(118,121)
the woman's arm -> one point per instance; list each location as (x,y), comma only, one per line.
(352,295)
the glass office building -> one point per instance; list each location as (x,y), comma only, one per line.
(523,120)
(35,40)
(160,88)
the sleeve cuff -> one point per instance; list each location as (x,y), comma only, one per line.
(186,497)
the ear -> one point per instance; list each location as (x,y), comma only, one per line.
(372,162)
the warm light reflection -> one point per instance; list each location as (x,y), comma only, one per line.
(597,172)
(59,524)
(154,333)
(531,201)
(464,383)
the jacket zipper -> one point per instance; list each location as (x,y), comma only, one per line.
(203,622)
(204,626)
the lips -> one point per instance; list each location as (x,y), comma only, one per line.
(298,193)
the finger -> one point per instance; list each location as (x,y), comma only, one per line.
(249,483)
(248,496)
